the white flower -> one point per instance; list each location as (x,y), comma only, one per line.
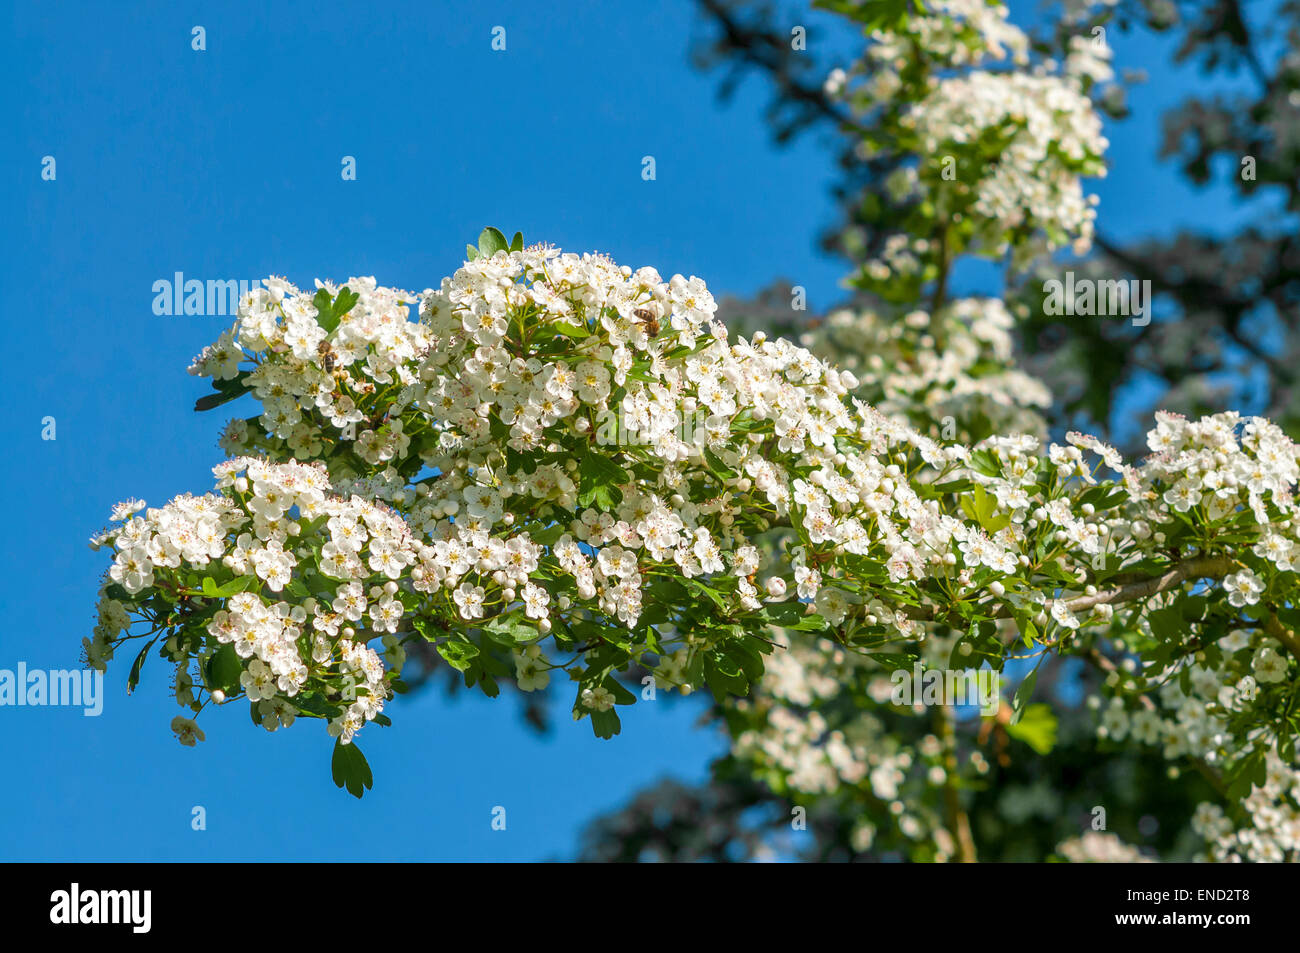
(531,673)
(1243,588)
(1268,665)
(126,509)
(597,699)
(536,600)
(187,731)
(469,600)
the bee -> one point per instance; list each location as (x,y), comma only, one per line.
(647,318)
(326,356)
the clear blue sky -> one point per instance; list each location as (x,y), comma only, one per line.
(226,164)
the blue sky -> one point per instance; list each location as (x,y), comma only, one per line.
(226,164)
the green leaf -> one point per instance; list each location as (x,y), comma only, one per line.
(1028,631)
(238,584)
(224,669)
(1036,728)
(550,534)
(133,679)
(330,311)
(745,653)
(894,660)
(951,486)
(601,478)
(784,614)
(701,589)
(1167,624)
(1250,771)
(324,305)
(510,631)
(517,243)
(315,704)
(980,506)
(491,241)
(605,469)
(982,461)
(724,676)
(344,302)
(1023,692)
(715,464)
(605,724)
(350,769)
(459,655)
(570,330)
(226,392)
(621,695)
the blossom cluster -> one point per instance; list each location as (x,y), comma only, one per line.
(300,568)
(989,144)
(1099,847)
(1048,135)
(950,375)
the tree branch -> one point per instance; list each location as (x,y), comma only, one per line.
(1197,567)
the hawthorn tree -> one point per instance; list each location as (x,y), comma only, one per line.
(552,462)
